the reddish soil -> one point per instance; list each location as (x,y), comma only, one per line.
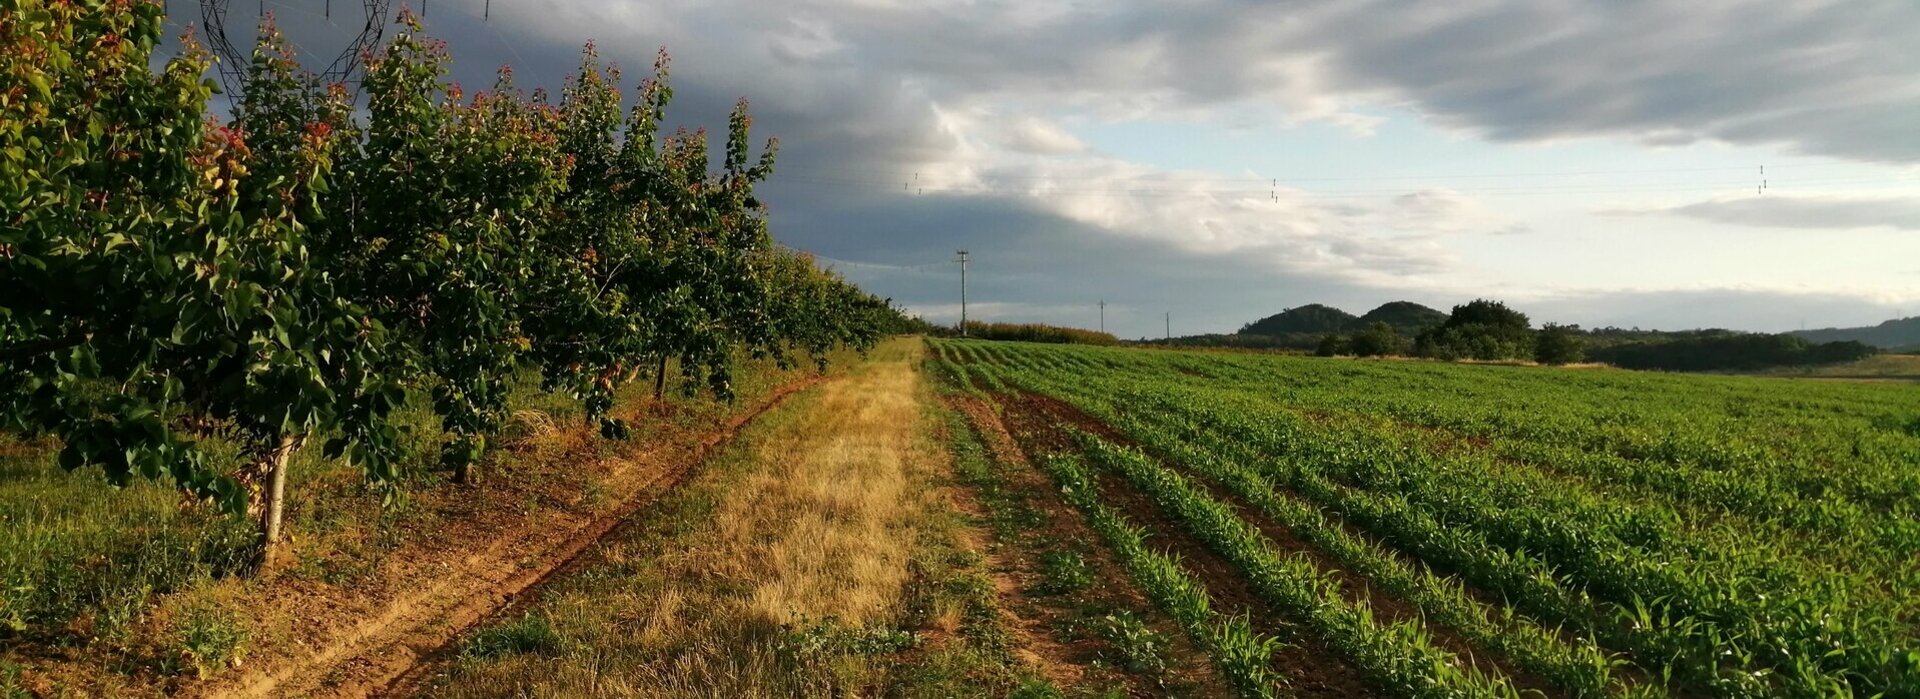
(1387,608)
(1033,643)
(1313,670)
(1042,618)
(481,557)
(1356,588)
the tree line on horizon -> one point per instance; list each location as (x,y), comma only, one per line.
(1486,330)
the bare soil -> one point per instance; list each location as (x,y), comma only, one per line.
(1313,670)
(1040,619)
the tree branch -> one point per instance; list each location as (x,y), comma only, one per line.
(27,350)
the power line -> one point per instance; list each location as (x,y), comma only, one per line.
(898,175)
(1186,188)
(837,262)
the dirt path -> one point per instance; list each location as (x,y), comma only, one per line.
(1036,622)
(823,554)
(362,658)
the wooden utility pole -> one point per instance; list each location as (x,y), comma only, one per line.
(1169,327)
(963,292)
(1103,315)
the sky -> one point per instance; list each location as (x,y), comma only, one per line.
(1664,164)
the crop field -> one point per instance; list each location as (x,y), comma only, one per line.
(1325,527)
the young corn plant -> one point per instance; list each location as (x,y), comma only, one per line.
(1242,655)
(1399,658)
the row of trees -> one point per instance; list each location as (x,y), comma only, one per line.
(1490,331)
(1034,332)
(1727,351)
(297,273)
(1480,330)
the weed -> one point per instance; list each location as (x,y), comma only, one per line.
(828,637)
(10,682)
(1031,688)
(528,634)
(1139,649)
(1064,571)
(212,638)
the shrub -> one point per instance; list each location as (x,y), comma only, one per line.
(1481,329)
(1378,340)
(1333,345)
(1557,344)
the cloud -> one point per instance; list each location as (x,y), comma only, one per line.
(1040,137)
(1817,77)
(1822,213)
(970,96)
(1745,308)
(1442,210)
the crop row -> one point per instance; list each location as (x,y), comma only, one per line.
(1739,621)
(1241,654)
(1746,509)
(1580,668)
(1704,622)
(1398,656)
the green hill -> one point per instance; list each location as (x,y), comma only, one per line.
(1902,334)
(1405,317)
(1311,318)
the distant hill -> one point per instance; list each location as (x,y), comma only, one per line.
(1405,317)
(1902,334)
(1311,318)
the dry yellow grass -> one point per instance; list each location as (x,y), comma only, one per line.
(827,527)
(810,525)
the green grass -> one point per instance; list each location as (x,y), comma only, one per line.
(528,634)
(79,558)
(1888,366)
(671,603)
(88,571)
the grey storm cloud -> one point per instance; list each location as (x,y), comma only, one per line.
(1827,78)
(861,92)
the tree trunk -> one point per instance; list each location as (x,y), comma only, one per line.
(660,379)
(274,499)
(464,473)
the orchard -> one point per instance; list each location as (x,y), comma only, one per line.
(292,276)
